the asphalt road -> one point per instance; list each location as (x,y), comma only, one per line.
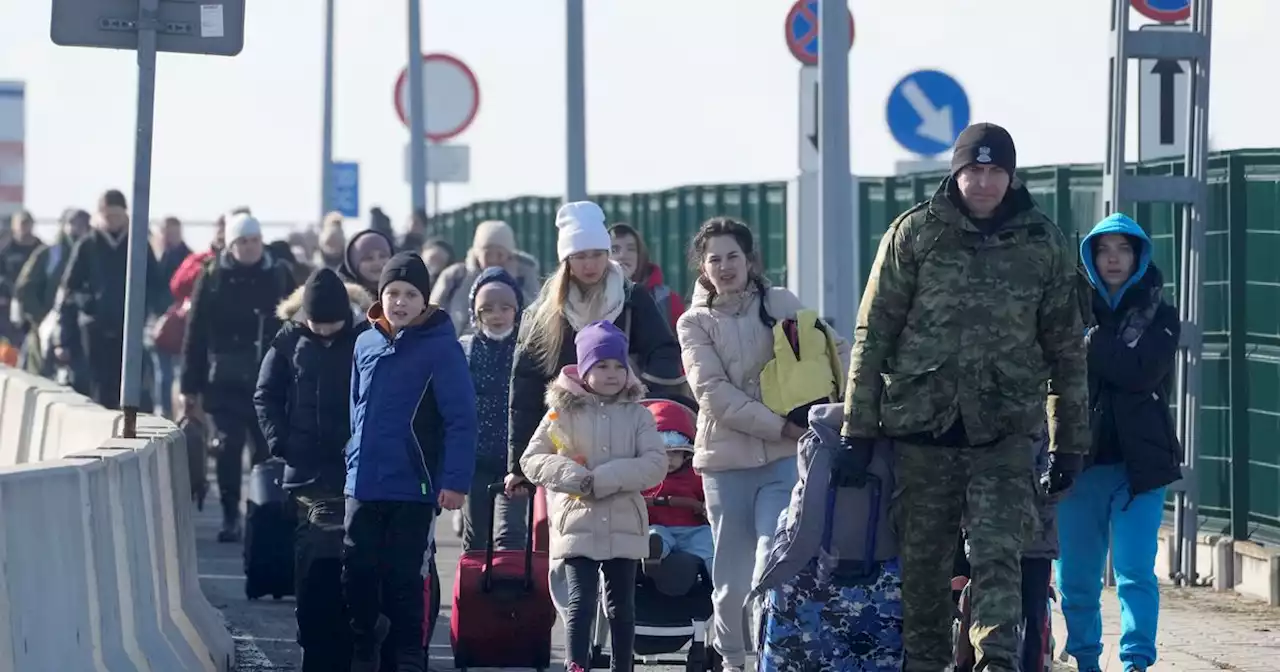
(264,629)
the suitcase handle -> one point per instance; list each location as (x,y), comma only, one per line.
(495,491)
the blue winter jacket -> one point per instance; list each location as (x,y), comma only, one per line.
(413,431)
(490,365)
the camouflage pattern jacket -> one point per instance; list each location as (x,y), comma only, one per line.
(955,323)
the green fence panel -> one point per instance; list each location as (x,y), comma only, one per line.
(1239,467)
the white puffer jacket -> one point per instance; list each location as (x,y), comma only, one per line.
(615,440)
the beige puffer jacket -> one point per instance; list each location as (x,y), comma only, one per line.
(618,443)
(724,348)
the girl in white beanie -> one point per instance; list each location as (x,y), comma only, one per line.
(586,287)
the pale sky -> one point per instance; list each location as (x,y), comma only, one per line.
(678,92)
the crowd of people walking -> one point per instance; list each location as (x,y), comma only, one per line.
(1022,385)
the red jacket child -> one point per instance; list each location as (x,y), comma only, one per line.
(678,501)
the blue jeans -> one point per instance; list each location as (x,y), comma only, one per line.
(694,540)
(165,365)
(743,506)
(1096,513)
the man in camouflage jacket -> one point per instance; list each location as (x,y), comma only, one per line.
(968,333)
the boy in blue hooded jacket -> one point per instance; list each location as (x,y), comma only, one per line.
(412,447)
(1118,500)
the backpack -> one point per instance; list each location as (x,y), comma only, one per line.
(805,367)
(833,478)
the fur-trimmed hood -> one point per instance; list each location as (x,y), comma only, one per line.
(291,307)
(568,391)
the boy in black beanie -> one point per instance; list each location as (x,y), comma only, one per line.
(301,402)
(412,448)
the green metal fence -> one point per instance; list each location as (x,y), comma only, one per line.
(1239,465)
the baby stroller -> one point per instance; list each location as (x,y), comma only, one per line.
(673,609)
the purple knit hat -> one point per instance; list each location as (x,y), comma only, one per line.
(599,341)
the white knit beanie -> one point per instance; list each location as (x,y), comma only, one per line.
(494,233)
(242,226)
(581,225)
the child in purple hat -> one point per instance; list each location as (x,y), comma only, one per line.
(595,451)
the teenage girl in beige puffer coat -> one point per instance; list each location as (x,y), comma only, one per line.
(595,451)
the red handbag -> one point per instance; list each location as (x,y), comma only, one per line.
(171,329)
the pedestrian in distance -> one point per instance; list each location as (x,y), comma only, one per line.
(595,451)
(1117,502)
(365,255)
(496,304)
(745,452)
(494,244)
(631,252)
(230,324)
(412,448)
(968,334)
(302,406)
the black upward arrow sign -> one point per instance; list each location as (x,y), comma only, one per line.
(813,137)
(1166,70)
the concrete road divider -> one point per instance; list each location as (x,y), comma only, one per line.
(97,547)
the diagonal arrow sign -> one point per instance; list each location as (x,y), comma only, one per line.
(935,122)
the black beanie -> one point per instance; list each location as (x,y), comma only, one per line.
(985,145)
(112,198)
(324,297)
(406,266)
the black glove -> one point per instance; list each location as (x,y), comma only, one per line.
(852,460)
(1063,469)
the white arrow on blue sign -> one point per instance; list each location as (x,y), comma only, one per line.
(346,188)
(926,111)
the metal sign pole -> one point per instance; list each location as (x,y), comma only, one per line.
(840,275)
(575,104)
(135,297)
(417,110)
(326,143)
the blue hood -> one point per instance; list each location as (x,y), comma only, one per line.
(1117,223)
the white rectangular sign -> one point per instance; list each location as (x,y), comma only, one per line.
(1163,104)
(449,164)
(808,140)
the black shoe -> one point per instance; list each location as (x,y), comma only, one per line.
(370,660)
(655,548)
(230,532)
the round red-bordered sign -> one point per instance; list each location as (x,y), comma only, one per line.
(454,84)
(801,31)
(1164,11)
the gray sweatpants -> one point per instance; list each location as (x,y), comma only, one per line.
(743,506)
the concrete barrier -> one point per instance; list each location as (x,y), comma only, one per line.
(97,546)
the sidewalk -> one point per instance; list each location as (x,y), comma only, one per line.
(1200,631)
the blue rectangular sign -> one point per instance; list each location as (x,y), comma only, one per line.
(346,188)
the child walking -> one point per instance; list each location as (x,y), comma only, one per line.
(496,304)
(412,447)
(595,451)
(301,402)
(677,506)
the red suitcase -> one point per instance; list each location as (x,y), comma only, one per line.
(502,612)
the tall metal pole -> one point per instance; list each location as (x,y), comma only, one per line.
(417,111)
(135,293)
(326,143)
(840,253)
(575,104)
(1190,289)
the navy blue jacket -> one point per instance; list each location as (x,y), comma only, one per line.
(491,361)
(413,430)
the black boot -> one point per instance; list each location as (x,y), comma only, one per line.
(368,655)
(230,532)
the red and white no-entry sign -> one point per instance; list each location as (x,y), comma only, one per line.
(452,96)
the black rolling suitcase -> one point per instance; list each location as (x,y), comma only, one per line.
(268,533)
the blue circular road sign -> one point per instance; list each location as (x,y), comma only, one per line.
(802,31)
(926,111)
(1164,11)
